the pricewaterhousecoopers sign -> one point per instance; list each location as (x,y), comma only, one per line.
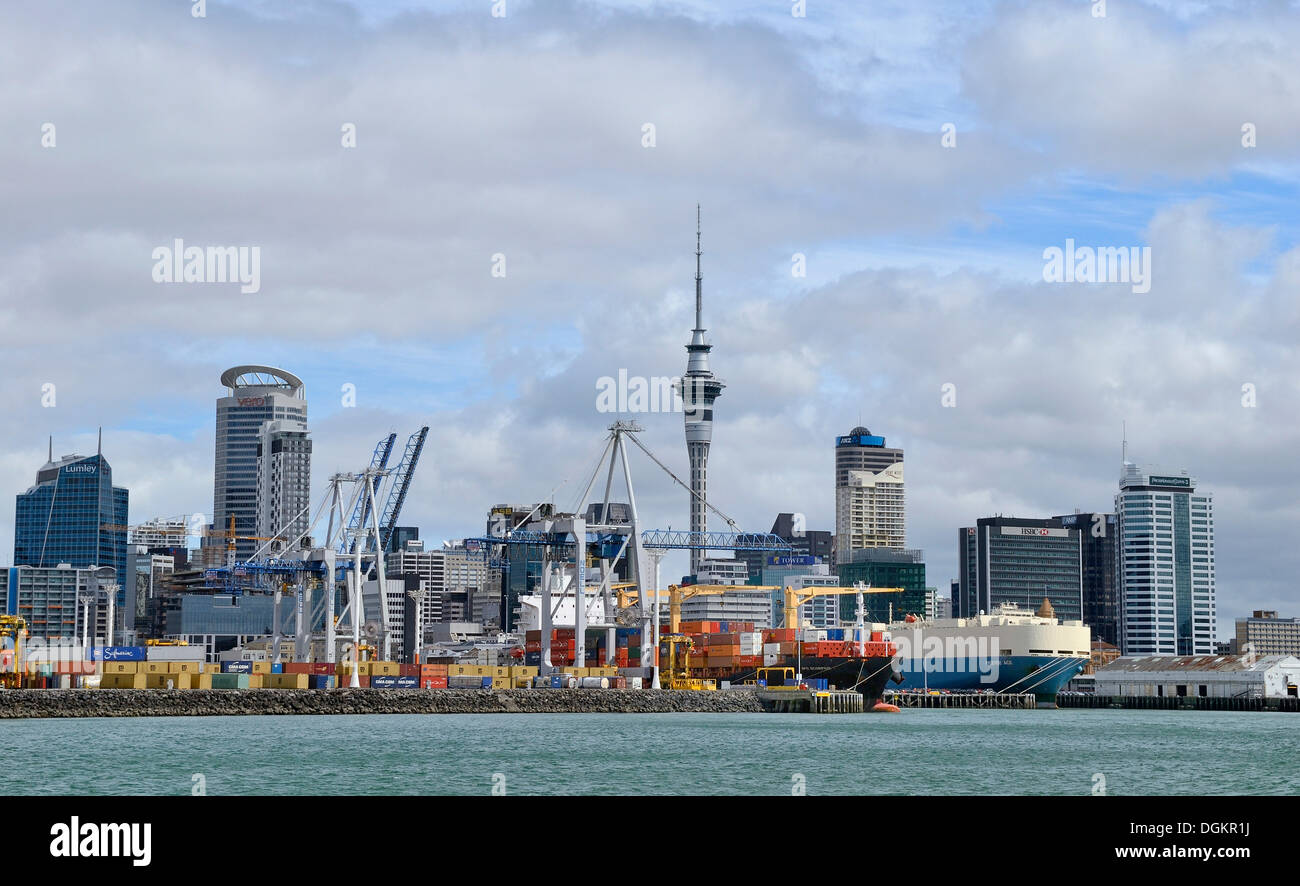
(1169,481)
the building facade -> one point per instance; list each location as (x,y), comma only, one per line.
(283,484)
(255,395)
(884,568)
(870,502)
(63,602)
(74,515)
(1266,634)
(1099,562)
(1020,561)
(1166,564)
(452,579)
(789,527)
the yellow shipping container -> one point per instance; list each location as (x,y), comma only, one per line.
(200,681)
(473,671)
(498,672)
(363,668)
(502,683)
(122,680)
(384,669)
(159,681)
(255,681)
(286,681)
(261,667)
(524,672)
(214,668)
(521,682)
(121,667)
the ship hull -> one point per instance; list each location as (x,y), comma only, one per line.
(869,675)
(1042,675)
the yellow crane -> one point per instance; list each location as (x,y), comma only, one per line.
(13,638)
(678,594)
(796,598)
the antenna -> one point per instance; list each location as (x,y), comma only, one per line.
(1124,446)
(51,447)
(699,278)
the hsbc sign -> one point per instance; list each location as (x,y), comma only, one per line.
(1039,531)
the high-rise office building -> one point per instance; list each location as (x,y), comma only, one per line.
(1019,561)
(885,568)
(816,543)
(870,506)
(1166,563)
(283,484)
(256,395)
(1100,587)
(699,388)
(74,515)
(160,533)
(453,578)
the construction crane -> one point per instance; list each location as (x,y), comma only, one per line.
(13,641)
(401,484)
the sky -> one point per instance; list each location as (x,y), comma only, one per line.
(126,126)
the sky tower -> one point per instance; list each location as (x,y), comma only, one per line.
(699,388)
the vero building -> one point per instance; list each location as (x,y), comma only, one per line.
(1166,563)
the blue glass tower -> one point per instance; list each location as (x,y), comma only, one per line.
(75,515)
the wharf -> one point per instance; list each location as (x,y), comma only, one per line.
(983,700)
(811,701)
(1288,704)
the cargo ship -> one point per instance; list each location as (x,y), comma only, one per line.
(1011,650)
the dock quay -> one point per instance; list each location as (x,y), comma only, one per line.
(811,701)
(985,700)
(1289,704)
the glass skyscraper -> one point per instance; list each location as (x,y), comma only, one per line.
(1166,564)
(75,515)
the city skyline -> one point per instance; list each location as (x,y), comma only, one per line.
(923,263)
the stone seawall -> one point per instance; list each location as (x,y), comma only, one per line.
(26,703)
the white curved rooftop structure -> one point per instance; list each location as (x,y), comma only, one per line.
(239,378)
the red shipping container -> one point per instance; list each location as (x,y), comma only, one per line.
(408,670)
(431,682)
(322,668)
(297,667)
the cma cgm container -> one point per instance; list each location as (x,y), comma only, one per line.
(237,667)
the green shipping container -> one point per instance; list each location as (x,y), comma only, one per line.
(230,681)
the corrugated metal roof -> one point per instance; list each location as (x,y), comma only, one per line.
(1143,663)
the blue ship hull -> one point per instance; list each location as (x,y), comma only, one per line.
(1042,675)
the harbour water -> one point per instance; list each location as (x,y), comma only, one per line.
(916,752)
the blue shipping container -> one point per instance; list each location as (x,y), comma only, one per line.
(321,681)
(556,682)
(277,668)
(236,667)
(117,653)
(383,682)
(408,682)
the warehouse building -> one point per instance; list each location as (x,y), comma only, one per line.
(1203,676)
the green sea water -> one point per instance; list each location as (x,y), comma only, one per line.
(922,752)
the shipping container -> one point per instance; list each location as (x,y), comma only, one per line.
(161,681)
(468,681)
(285,681)
(297,667)
(433,682)
(237,667)
(321,681)
(593,683)
(122,681)
(121,667)
(231,680)
(383,681)
(173,653)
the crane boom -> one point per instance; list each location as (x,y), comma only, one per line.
(796,598)
(401,483)
(361,511)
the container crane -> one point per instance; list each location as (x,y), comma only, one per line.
(13,641)
(796,598)
(401,484)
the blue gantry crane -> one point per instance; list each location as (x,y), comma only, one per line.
(401,484)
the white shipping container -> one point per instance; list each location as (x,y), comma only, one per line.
(635,682)
(771,648)
(770,658)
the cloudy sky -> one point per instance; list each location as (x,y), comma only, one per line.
(523,135)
